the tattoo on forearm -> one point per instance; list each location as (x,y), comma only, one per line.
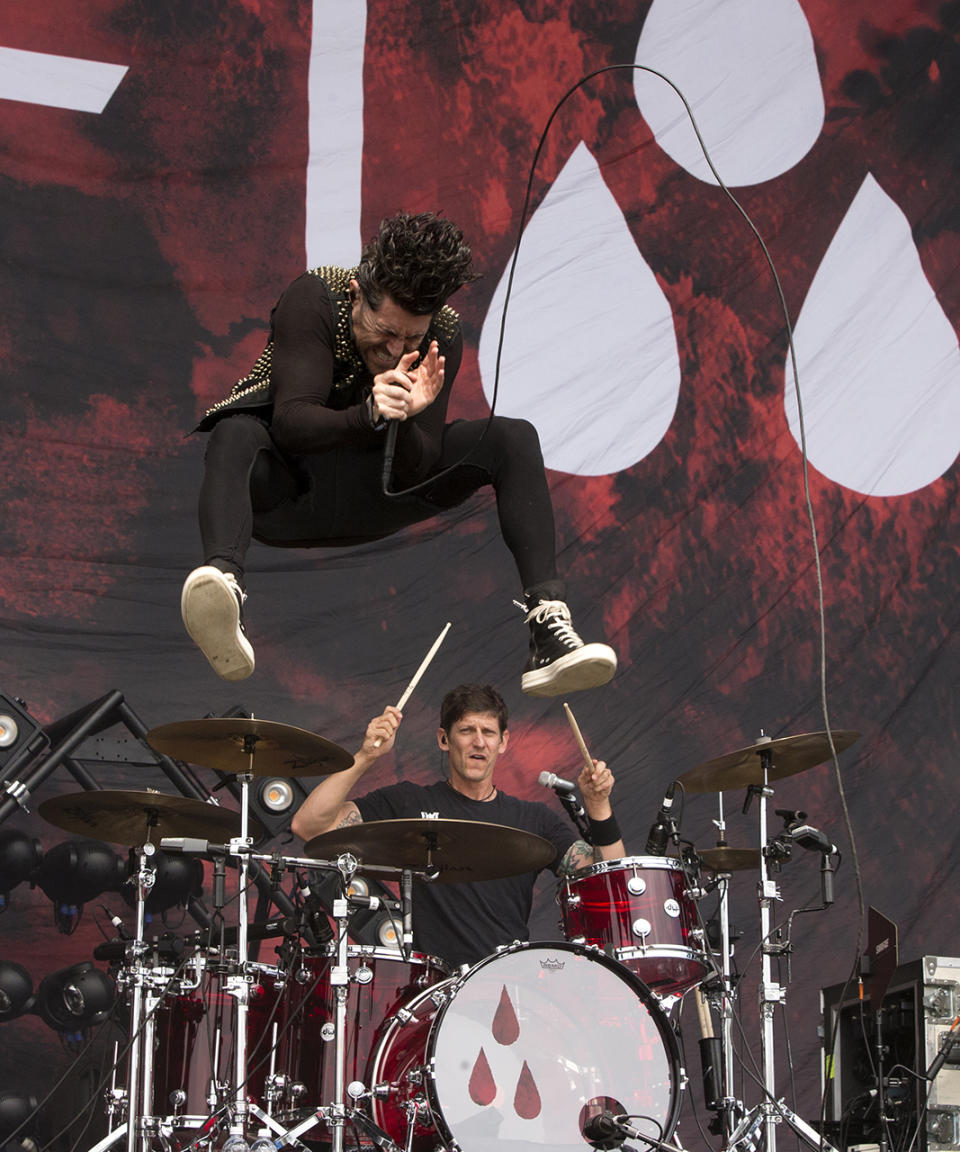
(578,855)
(353,817)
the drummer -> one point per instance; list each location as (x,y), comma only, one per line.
(463,923)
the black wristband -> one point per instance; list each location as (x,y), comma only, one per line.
(603,833)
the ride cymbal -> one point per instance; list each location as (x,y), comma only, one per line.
(226,744)
(788,756)
(134,818)
(461,849)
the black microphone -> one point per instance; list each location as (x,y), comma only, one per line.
(389,447)
(315,914)
(806,836)
(662,828)
(946,1047)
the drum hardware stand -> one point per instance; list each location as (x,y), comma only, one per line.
(729,1106)
(771,1109)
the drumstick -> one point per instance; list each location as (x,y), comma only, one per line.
(408,692)
(587,758)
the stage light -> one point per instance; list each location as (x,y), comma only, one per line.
(75,998)
(78,870)
(20,857)
(20,735)
(276,795)
(18,1113)
(177,880)
(16,990)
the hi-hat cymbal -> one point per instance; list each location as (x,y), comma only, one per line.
(134,818)
(225,743)
(788,756)
(460,849)
(726,859)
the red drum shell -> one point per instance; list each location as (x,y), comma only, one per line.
(638,908)
(194,1035)
(305,1050)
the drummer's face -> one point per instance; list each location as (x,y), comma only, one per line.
(472,745)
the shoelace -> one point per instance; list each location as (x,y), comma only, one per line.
(556,615)
(235,587)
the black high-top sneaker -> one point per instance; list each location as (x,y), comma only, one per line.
(559,660)
(211,605)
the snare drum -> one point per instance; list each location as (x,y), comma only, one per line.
(381,981)
(194,1030)
(639,910)
(521,1051)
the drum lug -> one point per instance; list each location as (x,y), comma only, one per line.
(636,885)
(573,900)
(641,928)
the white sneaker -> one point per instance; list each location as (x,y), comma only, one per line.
(211,605)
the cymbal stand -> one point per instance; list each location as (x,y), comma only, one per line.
(728,1102)
(140,1055)
(238,985)
(771,1109)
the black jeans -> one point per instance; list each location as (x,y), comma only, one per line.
(252,490)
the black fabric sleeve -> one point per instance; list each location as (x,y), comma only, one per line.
(302,373)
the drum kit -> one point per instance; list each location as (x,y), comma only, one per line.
(560,1044)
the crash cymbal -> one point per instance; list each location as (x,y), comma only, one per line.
(460,849)
(726,859)
(788,756)
(134,818)
(225,743)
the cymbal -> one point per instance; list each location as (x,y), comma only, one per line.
(133,818)
(225,743)
(788,756)
(727,859)
(461,849)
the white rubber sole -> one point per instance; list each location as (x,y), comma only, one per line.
(587,667)
(211,616)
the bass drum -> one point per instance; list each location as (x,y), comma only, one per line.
(522,1050)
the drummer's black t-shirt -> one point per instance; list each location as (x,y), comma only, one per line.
(463,923)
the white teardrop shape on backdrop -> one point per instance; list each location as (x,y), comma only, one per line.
(878,359)
(748,70)
(590,353)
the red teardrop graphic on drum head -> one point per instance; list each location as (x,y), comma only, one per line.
(526,1099)
(483,1089)
(506,1026)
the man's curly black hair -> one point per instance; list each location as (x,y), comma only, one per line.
(416,260)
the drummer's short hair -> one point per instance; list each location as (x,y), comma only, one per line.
(472,698)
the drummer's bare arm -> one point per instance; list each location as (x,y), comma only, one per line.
(329,805)
(596,784)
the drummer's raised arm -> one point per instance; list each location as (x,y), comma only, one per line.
(329,805)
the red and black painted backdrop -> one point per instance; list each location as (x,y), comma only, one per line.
(143,242)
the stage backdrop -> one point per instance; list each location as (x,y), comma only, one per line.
(169,168)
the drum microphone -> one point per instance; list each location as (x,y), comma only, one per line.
(557,783)
(608,1131)
(565,790)
(662,828)
(806,836)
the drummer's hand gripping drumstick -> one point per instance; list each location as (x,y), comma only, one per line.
(408,691)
